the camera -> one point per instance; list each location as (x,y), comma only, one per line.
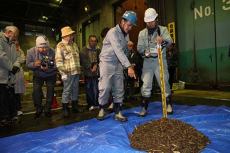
(47,62)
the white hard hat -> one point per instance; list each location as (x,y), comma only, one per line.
(150,15)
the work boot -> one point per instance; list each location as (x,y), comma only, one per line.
(3,123)
(65,110)
(118,115)
(169,105)
(110,108)
(48,109)
(74,106)
(19,113)
(144,105)
(101,115)
(48,114)
(39,111)
(92,108)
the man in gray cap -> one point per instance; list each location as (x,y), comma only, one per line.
(40,59)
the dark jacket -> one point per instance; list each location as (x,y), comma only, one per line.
(135,58)
(172,57)
(88,58)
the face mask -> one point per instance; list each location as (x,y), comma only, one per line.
(151,31)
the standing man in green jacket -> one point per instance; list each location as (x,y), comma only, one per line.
(89,57)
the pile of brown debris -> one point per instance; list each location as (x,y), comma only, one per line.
(168,136)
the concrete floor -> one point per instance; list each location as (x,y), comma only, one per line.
(27,123)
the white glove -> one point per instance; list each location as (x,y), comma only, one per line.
(147,53)
(64,77)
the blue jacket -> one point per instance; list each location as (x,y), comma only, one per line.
(114,47)
(32,55)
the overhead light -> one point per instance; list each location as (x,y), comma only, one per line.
(59,1)
(45,17)
(86,9)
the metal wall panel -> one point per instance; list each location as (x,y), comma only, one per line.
(204,39)
(222,10)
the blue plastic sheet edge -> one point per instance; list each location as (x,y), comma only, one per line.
(110,136)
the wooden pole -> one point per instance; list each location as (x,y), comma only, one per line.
(162,80)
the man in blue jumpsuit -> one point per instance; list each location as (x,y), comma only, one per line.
(148,39)
(112,62)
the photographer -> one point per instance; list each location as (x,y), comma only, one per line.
(40,60)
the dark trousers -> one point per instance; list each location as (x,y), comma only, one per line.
(18,101)
(8,107)
(38,82)
(172,70)
(129,85)
(91,85)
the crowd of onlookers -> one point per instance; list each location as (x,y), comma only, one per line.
(48,65)
(67,62)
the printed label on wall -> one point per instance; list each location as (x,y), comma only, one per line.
(205,11)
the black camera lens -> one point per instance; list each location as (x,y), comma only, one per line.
(43,64)
(51,63)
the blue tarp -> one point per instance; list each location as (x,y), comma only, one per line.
(110,136)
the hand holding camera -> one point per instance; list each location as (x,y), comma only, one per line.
(44,67)
(46,63)
(37,63)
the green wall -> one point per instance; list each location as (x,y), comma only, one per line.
(203,39)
